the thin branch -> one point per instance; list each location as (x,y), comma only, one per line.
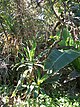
(55,26)
(66,47)
(53,46)
(57,15)
(52,7)
(56,42)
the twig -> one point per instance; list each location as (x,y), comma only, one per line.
(53,46)
(66,47)
(56,25)
(52,7)
(56,42)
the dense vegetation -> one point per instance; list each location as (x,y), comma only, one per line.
(40,53)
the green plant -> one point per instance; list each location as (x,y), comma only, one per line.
(32,70)
(44,101)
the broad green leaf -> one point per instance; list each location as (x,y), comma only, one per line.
(51,59)
(58,60)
